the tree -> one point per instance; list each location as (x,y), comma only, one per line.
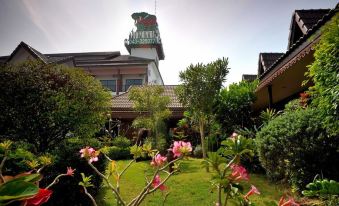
(150,102)
(233,109)
(43,104)
(200,87)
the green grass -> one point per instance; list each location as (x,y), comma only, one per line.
(190,187)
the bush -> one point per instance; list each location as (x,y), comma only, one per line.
(118,153)
(295,146)
(197,151)
(42,104)
(122,142)
(67,191)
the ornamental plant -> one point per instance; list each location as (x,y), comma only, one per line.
(159,165)
(228,171)
(24,187)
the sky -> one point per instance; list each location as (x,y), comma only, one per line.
(192,31)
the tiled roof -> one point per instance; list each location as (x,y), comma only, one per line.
(268,59)
(121,102)
(311,17)
(249,77)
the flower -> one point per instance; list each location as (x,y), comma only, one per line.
(181,148)
(70,171)
(289,202)
(239,173)
(40,198)
(90,154)
(157,181)
(158,160)
(253,191)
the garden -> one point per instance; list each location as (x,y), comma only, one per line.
(57,146)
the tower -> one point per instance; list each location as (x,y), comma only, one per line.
(145,41)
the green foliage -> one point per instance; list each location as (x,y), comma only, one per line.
(118,153)
(233,109)
(122,142)
(152,105)
(327,190)
(201,84)
(17,189)
(268,115)
(42,104)
(324,71)
(86,181)
(321,188)
(295,146)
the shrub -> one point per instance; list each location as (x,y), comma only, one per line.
(67,191)
(233,109)
(295,146)
(122,142)
(118,153)
(41,104)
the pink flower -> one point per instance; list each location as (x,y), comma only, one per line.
(90,154)
(239,173)
(158,160)
(253,191)
(289,202)
(70,171)
(157,181)
(181,148)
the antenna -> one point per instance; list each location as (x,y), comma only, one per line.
(155,7)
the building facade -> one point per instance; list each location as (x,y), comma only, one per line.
(281,75)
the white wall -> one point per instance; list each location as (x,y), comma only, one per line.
(149,53)
(154,76)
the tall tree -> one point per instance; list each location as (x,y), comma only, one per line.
(150,102)
(201,84)
(42,104)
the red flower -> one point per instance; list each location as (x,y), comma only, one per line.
(42,197)
(289,202)
(253,191)
(239,173)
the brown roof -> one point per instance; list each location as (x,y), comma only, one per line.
(268,59)
(121,102)
(309,18)
(249,77)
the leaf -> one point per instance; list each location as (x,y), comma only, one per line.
(16,190)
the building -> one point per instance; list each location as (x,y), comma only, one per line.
(115,71)
(281,74)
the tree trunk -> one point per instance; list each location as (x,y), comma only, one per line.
(202,137)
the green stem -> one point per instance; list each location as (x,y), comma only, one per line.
(56,180)
(90,196)
(108,183)
(226,199)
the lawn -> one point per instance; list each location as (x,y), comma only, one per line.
(190,187)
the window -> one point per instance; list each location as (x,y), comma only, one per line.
(130,82)
(109,84)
